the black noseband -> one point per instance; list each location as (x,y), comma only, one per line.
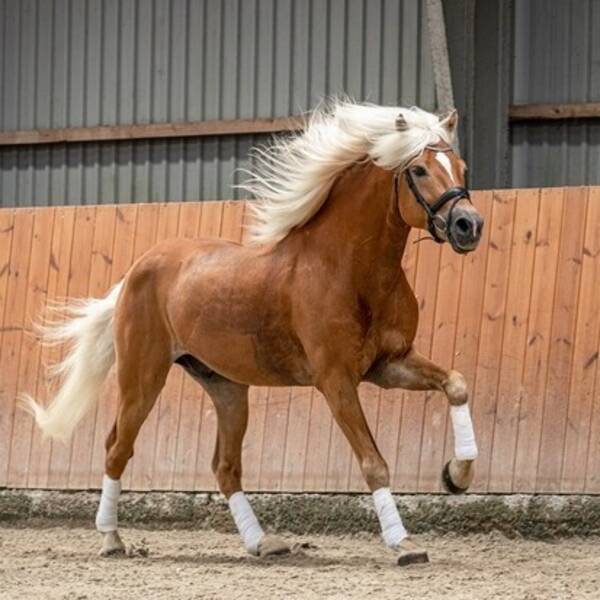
(453,194)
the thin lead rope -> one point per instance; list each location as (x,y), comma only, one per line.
(426,238)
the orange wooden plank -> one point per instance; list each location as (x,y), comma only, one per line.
(166,408)
(253,441)
(63,457)
(203,439)
(538,338)
(340,457)
(274,438)
(592,476)
(122,259)
(562,338)
(491,331)
(6,238)
(442,352)
(246,222)
(37,281)
(99,264)
(189,224)
(426,286)
(585,357)
(101,278)
(14,320)
(191,403)
(212,215)
(514,342)
(231,225)
(125,239)
(58,281)
(395,456)
(469,317)
(317,451)
(296,439)
(142,465)
(7,217)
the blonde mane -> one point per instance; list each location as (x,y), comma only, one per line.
(293,176)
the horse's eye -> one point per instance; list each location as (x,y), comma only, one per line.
(419,171)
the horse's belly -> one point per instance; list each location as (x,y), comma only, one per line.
(248,359)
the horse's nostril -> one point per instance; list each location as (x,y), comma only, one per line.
(463,225)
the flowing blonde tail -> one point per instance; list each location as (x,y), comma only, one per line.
(87,328)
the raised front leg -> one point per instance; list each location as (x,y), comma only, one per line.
(415,372)
(342,398)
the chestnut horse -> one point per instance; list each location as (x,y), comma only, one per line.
(317,298)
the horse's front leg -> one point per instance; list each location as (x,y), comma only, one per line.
(415,372)
(342,398)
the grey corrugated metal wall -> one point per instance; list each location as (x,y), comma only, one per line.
(103,62)
(557,53)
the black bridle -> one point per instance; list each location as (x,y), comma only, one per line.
(453,194)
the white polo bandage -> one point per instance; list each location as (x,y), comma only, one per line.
(246,521)
(106,517)
(465,447)
(392,529)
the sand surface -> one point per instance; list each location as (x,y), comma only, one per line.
(61,563)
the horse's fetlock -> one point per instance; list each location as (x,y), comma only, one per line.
(228,475)
(376,473)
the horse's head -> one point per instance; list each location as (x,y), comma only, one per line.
(433,196)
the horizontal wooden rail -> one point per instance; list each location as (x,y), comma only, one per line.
(150,131)
(552,112)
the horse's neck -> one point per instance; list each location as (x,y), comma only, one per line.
(359,227)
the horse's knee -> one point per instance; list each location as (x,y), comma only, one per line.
(456,388)
(229,476)
(375,472)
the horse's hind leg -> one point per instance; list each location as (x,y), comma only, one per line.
(231,403)
(415,372)
(142,368)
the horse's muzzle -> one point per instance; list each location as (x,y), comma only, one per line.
(465,230)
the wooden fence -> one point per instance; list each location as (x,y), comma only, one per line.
(520,318)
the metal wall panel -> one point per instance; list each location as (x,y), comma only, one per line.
(555,60)
(70,63)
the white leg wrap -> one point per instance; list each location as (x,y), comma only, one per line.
(465,447)
(246,521)
(106,517)
(392,529)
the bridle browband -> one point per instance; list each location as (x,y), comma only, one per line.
(453,194)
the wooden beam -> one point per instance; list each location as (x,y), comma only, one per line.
(111,133)
(552,112)
(438,43)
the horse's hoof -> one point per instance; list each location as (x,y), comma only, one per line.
(112,545)
(271,545)
(410,553)
(448,481)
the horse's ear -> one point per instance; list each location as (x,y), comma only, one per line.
(450,121)
(401,124)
